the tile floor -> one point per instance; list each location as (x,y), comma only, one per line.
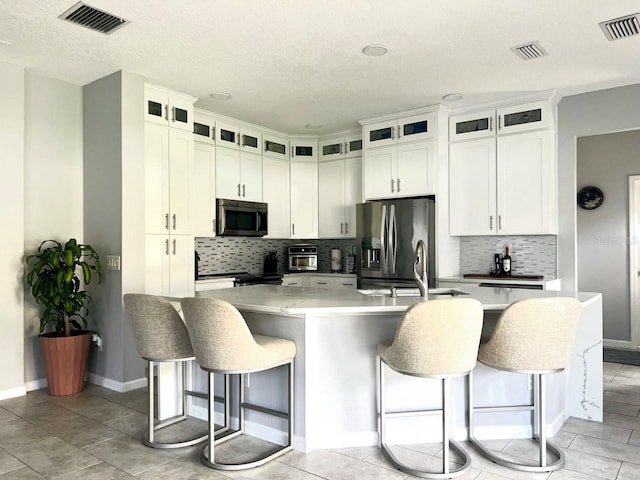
(95,435)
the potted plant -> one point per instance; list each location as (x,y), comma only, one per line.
(56,274)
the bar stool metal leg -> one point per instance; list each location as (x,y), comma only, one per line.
(447,442)
(538,423)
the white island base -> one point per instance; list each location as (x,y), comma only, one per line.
(337,335)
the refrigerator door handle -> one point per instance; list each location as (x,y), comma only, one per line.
(383,233)
(393,240)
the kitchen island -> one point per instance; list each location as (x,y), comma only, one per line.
(337,333)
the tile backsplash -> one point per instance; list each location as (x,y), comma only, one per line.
(246,254)
(535,255)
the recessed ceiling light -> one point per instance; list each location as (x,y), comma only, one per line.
(220,96)
(375,50)
(5,42)
(452,97)
(313,126)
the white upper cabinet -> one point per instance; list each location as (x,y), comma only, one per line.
(276,194)
(340,146)
(472,125)
(502,121)
(399,171)
(168,179)
(504,186)
(303,149)
(401,130)
(238,175)
(238,137)
(339,189)
(168,108)
(204,191)
(304,199)
(204,127)
(275,146)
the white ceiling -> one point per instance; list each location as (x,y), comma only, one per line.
(288,63)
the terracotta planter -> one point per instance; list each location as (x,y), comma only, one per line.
(65,359)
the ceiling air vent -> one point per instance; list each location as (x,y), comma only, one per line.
(93,18)
(530,50)
(622,27)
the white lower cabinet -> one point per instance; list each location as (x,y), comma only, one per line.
(339,189)
(204,190)
(304,199)
(276,194)
(399,170)
(504,185)
(331,281)
(169,264)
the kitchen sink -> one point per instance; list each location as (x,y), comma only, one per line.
(411,292)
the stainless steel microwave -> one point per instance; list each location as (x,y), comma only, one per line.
(241,219)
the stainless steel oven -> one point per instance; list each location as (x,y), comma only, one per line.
(303,257)
(241,219)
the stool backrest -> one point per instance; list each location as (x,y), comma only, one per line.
(219,334)
(437,337)
(158,330)
(534,335)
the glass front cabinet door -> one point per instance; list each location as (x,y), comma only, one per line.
(522,118)
(472,125)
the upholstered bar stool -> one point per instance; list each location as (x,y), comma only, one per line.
(435,339)
(533,337)
(223,343)
(161,336)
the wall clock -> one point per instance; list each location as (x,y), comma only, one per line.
(590,198)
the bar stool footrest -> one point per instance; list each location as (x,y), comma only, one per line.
(256,462)
(500,460)
(455,446)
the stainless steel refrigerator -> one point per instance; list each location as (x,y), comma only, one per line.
(387,232)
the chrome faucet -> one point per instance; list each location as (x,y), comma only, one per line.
(421,277)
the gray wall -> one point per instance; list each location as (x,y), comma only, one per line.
(606,161)
(595,113)
(113,147)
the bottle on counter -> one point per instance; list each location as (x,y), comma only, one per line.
(506,262)
(497,264)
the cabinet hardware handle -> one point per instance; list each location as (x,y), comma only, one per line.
(491,124)
(490,222)
(173,114)
(393,133)
(499,222)
(166,221)
(265,145)
(238,189)
(346,148)
(166,247)
(214,225)
(174,221)
(392,190)
(293,229)
(341,224)
(213,134)
(293,152)
(174,246)
(238,142)
(341,152)
(499,122)
(166,112)
(346,227)
(398,183)
(399,132)
(322,283)
(243,190)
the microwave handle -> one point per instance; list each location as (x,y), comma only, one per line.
(222,220)
(258,221)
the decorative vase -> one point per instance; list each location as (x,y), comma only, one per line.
(65,359)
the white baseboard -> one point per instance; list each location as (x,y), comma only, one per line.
(36,384)
(624,344)
(13,392)
(115,385)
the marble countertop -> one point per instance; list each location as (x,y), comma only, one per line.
(311,300)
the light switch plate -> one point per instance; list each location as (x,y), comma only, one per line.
(113,262)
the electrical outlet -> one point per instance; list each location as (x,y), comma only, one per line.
(96,339)
(113,262)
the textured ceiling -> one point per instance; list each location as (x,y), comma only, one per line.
(292,62)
